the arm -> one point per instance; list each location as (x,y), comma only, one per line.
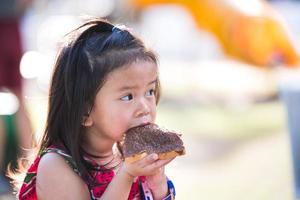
(161,187)
(148,166)
(122,183)
(158,185)
(57,181)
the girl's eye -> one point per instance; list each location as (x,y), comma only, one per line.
(127,97)
(150,92)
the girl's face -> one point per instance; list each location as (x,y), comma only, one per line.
(125,100)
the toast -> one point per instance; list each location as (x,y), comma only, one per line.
(143,140)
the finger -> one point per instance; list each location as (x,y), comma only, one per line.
(164,162)
(156,165)
(167,161)
(148,160)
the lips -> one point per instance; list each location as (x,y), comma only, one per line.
(142,121)
(140,124)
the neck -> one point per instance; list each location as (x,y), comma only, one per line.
(98,146)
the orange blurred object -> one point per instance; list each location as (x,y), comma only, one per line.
(259,37)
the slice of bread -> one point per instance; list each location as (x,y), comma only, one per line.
(143,140)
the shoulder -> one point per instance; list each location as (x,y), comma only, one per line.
(55,176)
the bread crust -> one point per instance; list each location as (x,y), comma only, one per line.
(162,156)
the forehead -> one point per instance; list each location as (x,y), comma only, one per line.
(139,72)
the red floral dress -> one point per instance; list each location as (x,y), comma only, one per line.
(103,177)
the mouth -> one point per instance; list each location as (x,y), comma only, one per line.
(144,124)
(140,124)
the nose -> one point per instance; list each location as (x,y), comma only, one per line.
(143,107)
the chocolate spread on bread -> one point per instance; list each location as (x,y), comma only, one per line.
(150,139)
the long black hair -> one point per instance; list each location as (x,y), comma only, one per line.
(96,49)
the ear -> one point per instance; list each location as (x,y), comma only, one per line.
(87,121)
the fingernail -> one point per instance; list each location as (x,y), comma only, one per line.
(154,156)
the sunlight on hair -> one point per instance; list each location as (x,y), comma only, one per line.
(10,102)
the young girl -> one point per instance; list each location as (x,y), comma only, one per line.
(105,81)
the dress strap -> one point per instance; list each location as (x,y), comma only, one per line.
(67,157)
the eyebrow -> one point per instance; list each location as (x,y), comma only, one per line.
(133,87)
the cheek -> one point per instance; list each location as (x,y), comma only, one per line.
(112,122)
(119,118)
(119,124)
(153,112)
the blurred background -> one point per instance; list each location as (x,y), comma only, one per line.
(230,85)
